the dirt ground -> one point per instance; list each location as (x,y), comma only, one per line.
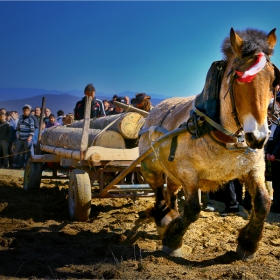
(39,241)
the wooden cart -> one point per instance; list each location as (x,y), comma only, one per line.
(88,179)
(97,172)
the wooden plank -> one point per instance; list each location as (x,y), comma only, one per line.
(128,195)
(69,162)
(97,154)
(84,140)
(61,152)
(45,158)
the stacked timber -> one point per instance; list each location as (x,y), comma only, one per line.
(70,138)
(127,124)
(65,141)
(111,135)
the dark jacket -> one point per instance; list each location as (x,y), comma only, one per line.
(4,131)
(273,146)
(97,109)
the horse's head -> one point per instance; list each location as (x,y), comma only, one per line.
(252,81)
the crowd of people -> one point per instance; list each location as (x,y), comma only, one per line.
(109,107)
(19,132)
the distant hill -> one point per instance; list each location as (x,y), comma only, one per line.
(7,94)
(55,102)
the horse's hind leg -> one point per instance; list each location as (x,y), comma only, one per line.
(250,236)
(173,236)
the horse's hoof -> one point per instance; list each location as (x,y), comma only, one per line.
(172,252)
(244,255)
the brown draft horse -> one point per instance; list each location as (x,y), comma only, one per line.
(205,164)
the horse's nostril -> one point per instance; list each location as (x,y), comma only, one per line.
(249,137)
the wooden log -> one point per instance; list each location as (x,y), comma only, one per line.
(97,154)
(127,124)
(70,138)
(61,152)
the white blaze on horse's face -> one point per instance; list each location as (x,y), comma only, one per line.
(252,91)
(254,132)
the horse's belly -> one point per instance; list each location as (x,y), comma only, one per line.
(202,159)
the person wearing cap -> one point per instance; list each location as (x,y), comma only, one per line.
(117,109)
(24,132)
(97,107)
(4,139)
(36,123)
(142,101)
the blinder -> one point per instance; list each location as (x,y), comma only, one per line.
(277,76)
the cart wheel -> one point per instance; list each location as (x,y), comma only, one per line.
(32,175)
(79,195)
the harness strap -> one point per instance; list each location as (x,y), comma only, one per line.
(234,111)
(210,121)
(174,143)
(156,128)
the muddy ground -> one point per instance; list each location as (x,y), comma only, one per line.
(39,241)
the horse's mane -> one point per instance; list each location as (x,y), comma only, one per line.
(254,41)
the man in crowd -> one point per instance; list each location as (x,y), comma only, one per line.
(60,116)
(272,151)
(52,121)
(47,112)
(25,131)
(4,139)
(142,101)
(97,108)
(36,123)
(117,109)
(38,113)
(12,119)
(107,106)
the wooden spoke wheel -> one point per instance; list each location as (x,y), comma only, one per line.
(32,175)
(79,195)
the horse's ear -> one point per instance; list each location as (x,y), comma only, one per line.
(236,43)
(271,38)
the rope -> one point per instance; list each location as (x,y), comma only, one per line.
(26,151)
(157,158)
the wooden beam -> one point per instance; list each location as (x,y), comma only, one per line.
(97,154)
(45,158)
(84,140)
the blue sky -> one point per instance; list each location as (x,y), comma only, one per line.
(156,47)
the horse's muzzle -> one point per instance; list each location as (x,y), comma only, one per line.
(255,142)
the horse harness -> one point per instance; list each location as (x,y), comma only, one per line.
(201,123)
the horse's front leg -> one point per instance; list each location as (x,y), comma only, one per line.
(165,208)
(250,236)
(173,236)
